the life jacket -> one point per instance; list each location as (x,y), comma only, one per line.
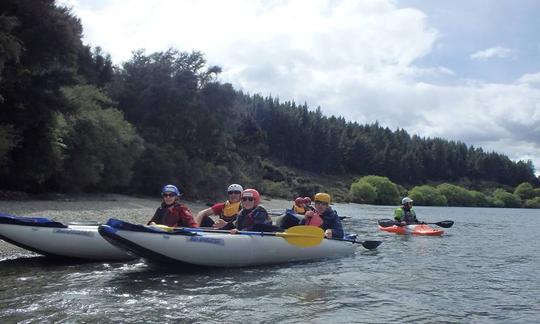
(230,211)
(299,210)
(407,216)
(314,220)
(246,219)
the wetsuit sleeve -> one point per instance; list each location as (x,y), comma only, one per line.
(187,218)
(335,226)
(414,216)
(398,214)
(154,218)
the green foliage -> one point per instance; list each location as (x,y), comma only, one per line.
(386,191)
(276,189)
(100,147)
(197,132)
(456,196)
(8,140)
(480,199)
(509,200)
(524,191)
(537,192)
(363,193)
(427,196)
(10,46)
(533,203)
(30,86)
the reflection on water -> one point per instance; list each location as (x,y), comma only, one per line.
(483,269)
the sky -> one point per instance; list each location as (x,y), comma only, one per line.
(462,70)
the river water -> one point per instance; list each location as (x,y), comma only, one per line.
(485,269)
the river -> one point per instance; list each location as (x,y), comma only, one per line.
(485,269)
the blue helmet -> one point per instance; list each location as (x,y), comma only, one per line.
(171,188)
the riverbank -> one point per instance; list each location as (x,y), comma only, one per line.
(96,207)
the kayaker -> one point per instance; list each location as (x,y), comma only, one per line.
(406,214)
(252,217)
(307,204)
(324,217)
(299,206)
(294,215)
(227,211)
(171,212)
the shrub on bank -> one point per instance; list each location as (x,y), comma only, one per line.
(386,191)
(363,193)
(533,203)
(509,200)
(456,196)
(427,196)
(525,191)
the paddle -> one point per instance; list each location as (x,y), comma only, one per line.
(370,245)
(304,236)
(390,222)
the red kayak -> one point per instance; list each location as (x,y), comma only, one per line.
(415,229)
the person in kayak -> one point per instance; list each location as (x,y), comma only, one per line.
(294,215)
(405,214)
(227,211)
(299,206)
(171,212)
(252,217)
(324,217)
(307,204)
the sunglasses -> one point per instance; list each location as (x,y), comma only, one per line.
(321,203)
(169,195)
(247,199)
(236,192)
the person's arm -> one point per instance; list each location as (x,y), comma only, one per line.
(398,214)
(414,216)
(336,229)
(186,218)
(202,214)
(154,218)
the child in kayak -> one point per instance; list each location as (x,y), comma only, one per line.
(293,216)
(405,214)
(252,217)
(227,211)
(171,212)
(324,217)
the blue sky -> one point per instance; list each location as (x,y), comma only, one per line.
(460,70)
(470,26)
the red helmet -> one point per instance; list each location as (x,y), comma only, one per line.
(299,201)
(252,193)
(307,201)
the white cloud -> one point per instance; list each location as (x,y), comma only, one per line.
(356,59)
(532,79)
(494,52)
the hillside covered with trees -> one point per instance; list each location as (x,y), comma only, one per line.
(71,121)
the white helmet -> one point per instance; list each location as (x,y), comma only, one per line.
(406,200)
(235,187)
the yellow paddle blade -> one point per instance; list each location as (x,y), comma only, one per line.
(305,236)
(163,227)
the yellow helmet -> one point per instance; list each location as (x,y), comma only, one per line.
(324,197)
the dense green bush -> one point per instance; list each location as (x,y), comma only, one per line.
(509,200)
(363,193)
(427,196)
(387,191)
(524,191)
(533,203)
(480,200)
(456,196)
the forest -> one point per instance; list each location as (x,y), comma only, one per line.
(72,121)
